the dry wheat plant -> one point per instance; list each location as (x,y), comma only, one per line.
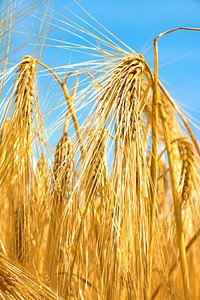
(113,211)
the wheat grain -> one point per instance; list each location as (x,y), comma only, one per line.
(187,177)
(25,90)
(63,168)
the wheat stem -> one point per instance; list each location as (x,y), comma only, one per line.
(69,103)
(175,264)
(177,209)
(154,161)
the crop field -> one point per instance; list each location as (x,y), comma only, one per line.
(99,165)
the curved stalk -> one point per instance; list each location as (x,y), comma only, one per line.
(177,209)
(69,101)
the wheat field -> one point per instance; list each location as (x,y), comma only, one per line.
(99,172)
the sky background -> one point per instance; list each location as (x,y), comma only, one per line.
(136,23)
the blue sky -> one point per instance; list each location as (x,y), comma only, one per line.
(137,23)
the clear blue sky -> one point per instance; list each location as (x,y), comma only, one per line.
(137,23)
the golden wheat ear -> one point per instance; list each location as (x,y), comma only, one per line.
(63,169)
(17,283)
(54,268)
(188,170)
